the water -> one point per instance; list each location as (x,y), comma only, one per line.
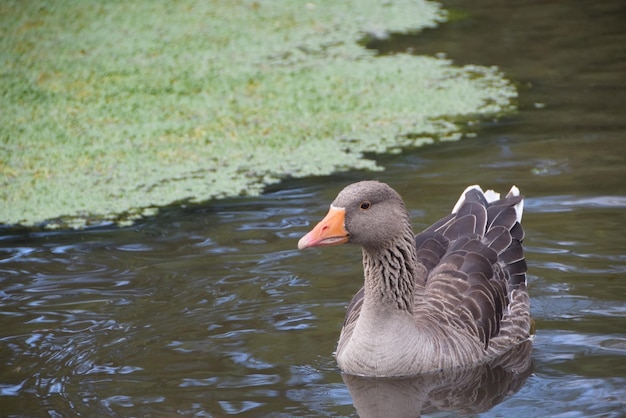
(211,310)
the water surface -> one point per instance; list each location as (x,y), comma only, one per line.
(211,310)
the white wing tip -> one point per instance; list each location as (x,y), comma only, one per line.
(492,196)
(519,207)
(461,200)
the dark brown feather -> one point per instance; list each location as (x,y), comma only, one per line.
(354,307)
(498,216)
(428,258)
(432,241)
(517,232)
(460,227)
(476,209)
(497,238)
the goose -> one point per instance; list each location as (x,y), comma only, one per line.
(453,296)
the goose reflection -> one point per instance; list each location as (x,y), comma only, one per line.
(462,390)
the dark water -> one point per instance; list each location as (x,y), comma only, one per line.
(211,310)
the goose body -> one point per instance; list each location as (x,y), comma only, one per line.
(452,296)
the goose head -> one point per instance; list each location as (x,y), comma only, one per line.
(367,213)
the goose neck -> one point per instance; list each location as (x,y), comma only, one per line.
(390,275)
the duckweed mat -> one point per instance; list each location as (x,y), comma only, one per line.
(110,110)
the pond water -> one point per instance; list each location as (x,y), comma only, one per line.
(211,310)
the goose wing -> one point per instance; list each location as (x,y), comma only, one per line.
(474,260)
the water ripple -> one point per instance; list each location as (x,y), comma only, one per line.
(566,203)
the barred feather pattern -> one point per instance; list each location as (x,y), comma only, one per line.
(390,265)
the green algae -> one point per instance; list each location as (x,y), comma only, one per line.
(111,109)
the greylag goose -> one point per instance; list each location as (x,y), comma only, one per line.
(452,296)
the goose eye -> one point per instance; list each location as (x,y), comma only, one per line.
(365,205)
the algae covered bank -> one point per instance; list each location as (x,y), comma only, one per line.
(110,110)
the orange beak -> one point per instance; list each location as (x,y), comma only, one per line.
(329,231)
